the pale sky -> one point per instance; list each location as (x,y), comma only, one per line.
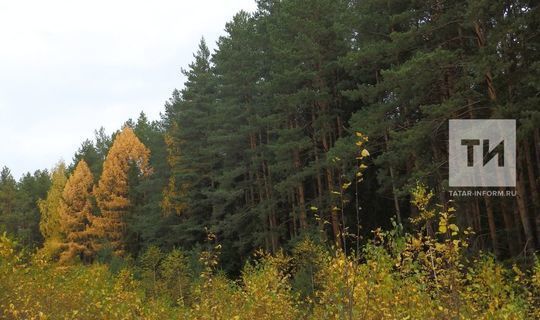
(68,67)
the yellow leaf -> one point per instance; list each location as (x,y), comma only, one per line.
(365,153)
(442,228)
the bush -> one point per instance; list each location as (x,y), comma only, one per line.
(396,276)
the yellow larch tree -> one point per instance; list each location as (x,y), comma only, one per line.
(112,191)
(172,192)
(49,223)
(76,212)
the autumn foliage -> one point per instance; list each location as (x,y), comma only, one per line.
(112,191)
(396,276)
(78,218)
(76,213)
(50,222)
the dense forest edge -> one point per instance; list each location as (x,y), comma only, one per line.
(301,172)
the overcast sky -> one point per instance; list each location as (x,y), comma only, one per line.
(69,67)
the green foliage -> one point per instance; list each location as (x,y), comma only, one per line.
(149,263)
(176,276)
(19,212)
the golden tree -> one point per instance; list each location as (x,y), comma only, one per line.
(76,212)
(112,191)
(172,191)
(49,223)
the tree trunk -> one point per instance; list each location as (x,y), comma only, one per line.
(293,230)
(336,225)
(492,226)
(301,195)
(537,147)
(267,191)
(481,41)
(533,187)
(320,188)
(477,215)
(523,213)
(394,192)
(509,229)
(517,226)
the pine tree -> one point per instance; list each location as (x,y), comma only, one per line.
(466,59)
(308,111)
(31,188)
(76,212)
(8,198)
(189,118)
(93,152)
(126,155)
(87,152)
(242,202)
(147,225)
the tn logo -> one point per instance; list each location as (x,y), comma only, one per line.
(488,154)
(482,153)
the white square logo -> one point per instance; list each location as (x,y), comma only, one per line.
(482,153)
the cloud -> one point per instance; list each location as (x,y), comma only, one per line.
(69,67)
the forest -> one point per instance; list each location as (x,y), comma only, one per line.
(300,172)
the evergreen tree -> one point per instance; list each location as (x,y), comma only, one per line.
(190,157)
(147,226)
(242,202)
(31,188)
(308,112)
(93,152)
(8,198)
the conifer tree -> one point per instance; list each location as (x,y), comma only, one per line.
(189,117)
(31,188)
(147,225)
(93,152)
(127,155)
(76,212)
(308,111)
(50,222)
(8,198)
(243,204)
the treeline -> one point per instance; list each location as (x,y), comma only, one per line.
(259,149)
